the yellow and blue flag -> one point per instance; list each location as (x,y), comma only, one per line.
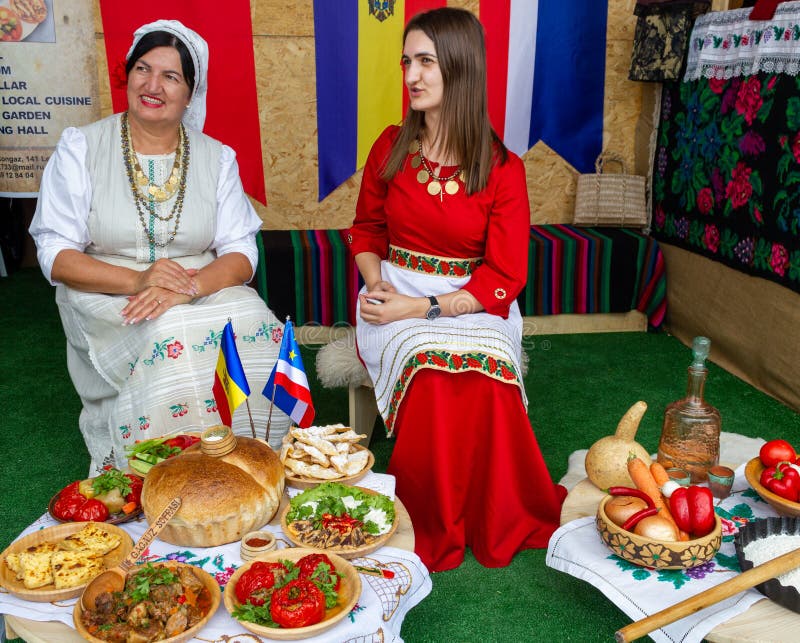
(359,79)
(230,384)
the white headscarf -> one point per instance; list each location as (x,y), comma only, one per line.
(195,115)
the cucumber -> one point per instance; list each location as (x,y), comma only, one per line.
(148,457)
(140,466)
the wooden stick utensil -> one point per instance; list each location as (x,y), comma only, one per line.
(743,581)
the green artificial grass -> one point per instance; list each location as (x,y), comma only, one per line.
(579,386)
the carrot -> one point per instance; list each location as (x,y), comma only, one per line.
(661,476)
(129,507)
(644,481)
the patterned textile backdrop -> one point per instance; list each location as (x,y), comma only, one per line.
(726,180)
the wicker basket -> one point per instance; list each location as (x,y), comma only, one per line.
(610,199)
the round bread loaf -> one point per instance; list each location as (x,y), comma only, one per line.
(222,498)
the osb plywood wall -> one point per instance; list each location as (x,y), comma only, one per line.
(283,40)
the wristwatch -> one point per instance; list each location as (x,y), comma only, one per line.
(434,311)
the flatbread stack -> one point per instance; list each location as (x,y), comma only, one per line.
(71,562)
(324,452)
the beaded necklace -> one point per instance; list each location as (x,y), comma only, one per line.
(181,165)
(426,175)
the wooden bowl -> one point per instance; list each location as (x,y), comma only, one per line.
(349,593)
(784,507)
(208,581)
(659,554)
(48,593)
(304,482)
(344,552)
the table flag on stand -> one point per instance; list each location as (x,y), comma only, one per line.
(287,386)
(230,384)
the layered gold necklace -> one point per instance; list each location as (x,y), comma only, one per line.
(436,185)
(146,193)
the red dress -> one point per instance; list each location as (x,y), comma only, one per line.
(467,463)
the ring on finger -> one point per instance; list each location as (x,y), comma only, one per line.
(158,302)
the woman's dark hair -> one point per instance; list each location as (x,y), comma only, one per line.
(465,132)
(155,39)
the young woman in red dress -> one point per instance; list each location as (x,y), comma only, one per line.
(441,239)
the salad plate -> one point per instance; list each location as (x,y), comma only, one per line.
(348,521)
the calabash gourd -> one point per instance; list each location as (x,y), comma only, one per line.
(607,459)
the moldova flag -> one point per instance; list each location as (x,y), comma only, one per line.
(545,68)
(230,384)
(287,386)
(359,79)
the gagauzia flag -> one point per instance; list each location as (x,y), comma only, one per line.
(230,384)
(287,386)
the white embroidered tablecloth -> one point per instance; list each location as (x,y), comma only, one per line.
(378,614)
(576,549)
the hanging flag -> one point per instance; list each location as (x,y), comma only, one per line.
(287,386)
(232,101)
(359,79)
(230,384)
(546,75)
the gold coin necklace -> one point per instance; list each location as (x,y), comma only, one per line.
(179,172)
(436,184)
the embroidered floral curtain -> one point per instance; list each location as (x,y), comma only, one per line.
(726,180)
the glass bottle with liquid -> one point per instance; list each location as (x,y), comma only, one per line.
(690,434)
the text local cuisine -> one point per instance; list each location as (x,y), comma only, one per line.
(336,515)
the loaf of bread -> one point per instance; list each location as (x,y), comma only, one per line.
(222,498)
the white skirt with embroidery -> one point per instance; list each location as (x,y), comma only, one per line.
(154,378)
(478,342)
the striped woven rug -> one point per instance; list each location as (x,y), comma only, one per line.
(310,275)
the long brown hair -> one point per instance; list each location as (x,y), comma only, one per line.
(465,133)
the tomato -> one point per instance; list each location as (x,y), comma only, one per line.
(136,489)
(297,604)
(776,451)
(255,585)
(65,507)
(309,569)
(10,25)
(93,510)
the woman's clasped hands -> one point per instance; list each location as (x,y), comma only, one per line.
(382,304)
(163,285)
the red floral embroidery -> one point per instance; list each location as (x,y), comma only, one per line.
(492,364)
(277,334)
(712,238)
(459,271)
(438,361)
(174,350)
(457,361)
(444,266)
(705,200)
(717,85)
(422,358)
(739,189)
(473,363)
(779,259)
(507,374)
(748,99)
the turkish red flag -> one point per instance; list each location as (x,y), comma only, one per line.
(232,104)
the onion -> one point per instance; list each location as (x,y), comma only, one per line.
(620,508)
(657,528)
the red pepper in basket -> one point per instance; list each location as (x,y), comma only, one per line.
(783,480)
(631,522)
(630,491)
(693,509)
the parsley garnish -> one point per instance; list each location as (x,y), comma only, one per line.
(147,575)
(111,479)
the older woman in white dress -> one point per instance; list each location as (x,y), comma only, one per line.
(143,226)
